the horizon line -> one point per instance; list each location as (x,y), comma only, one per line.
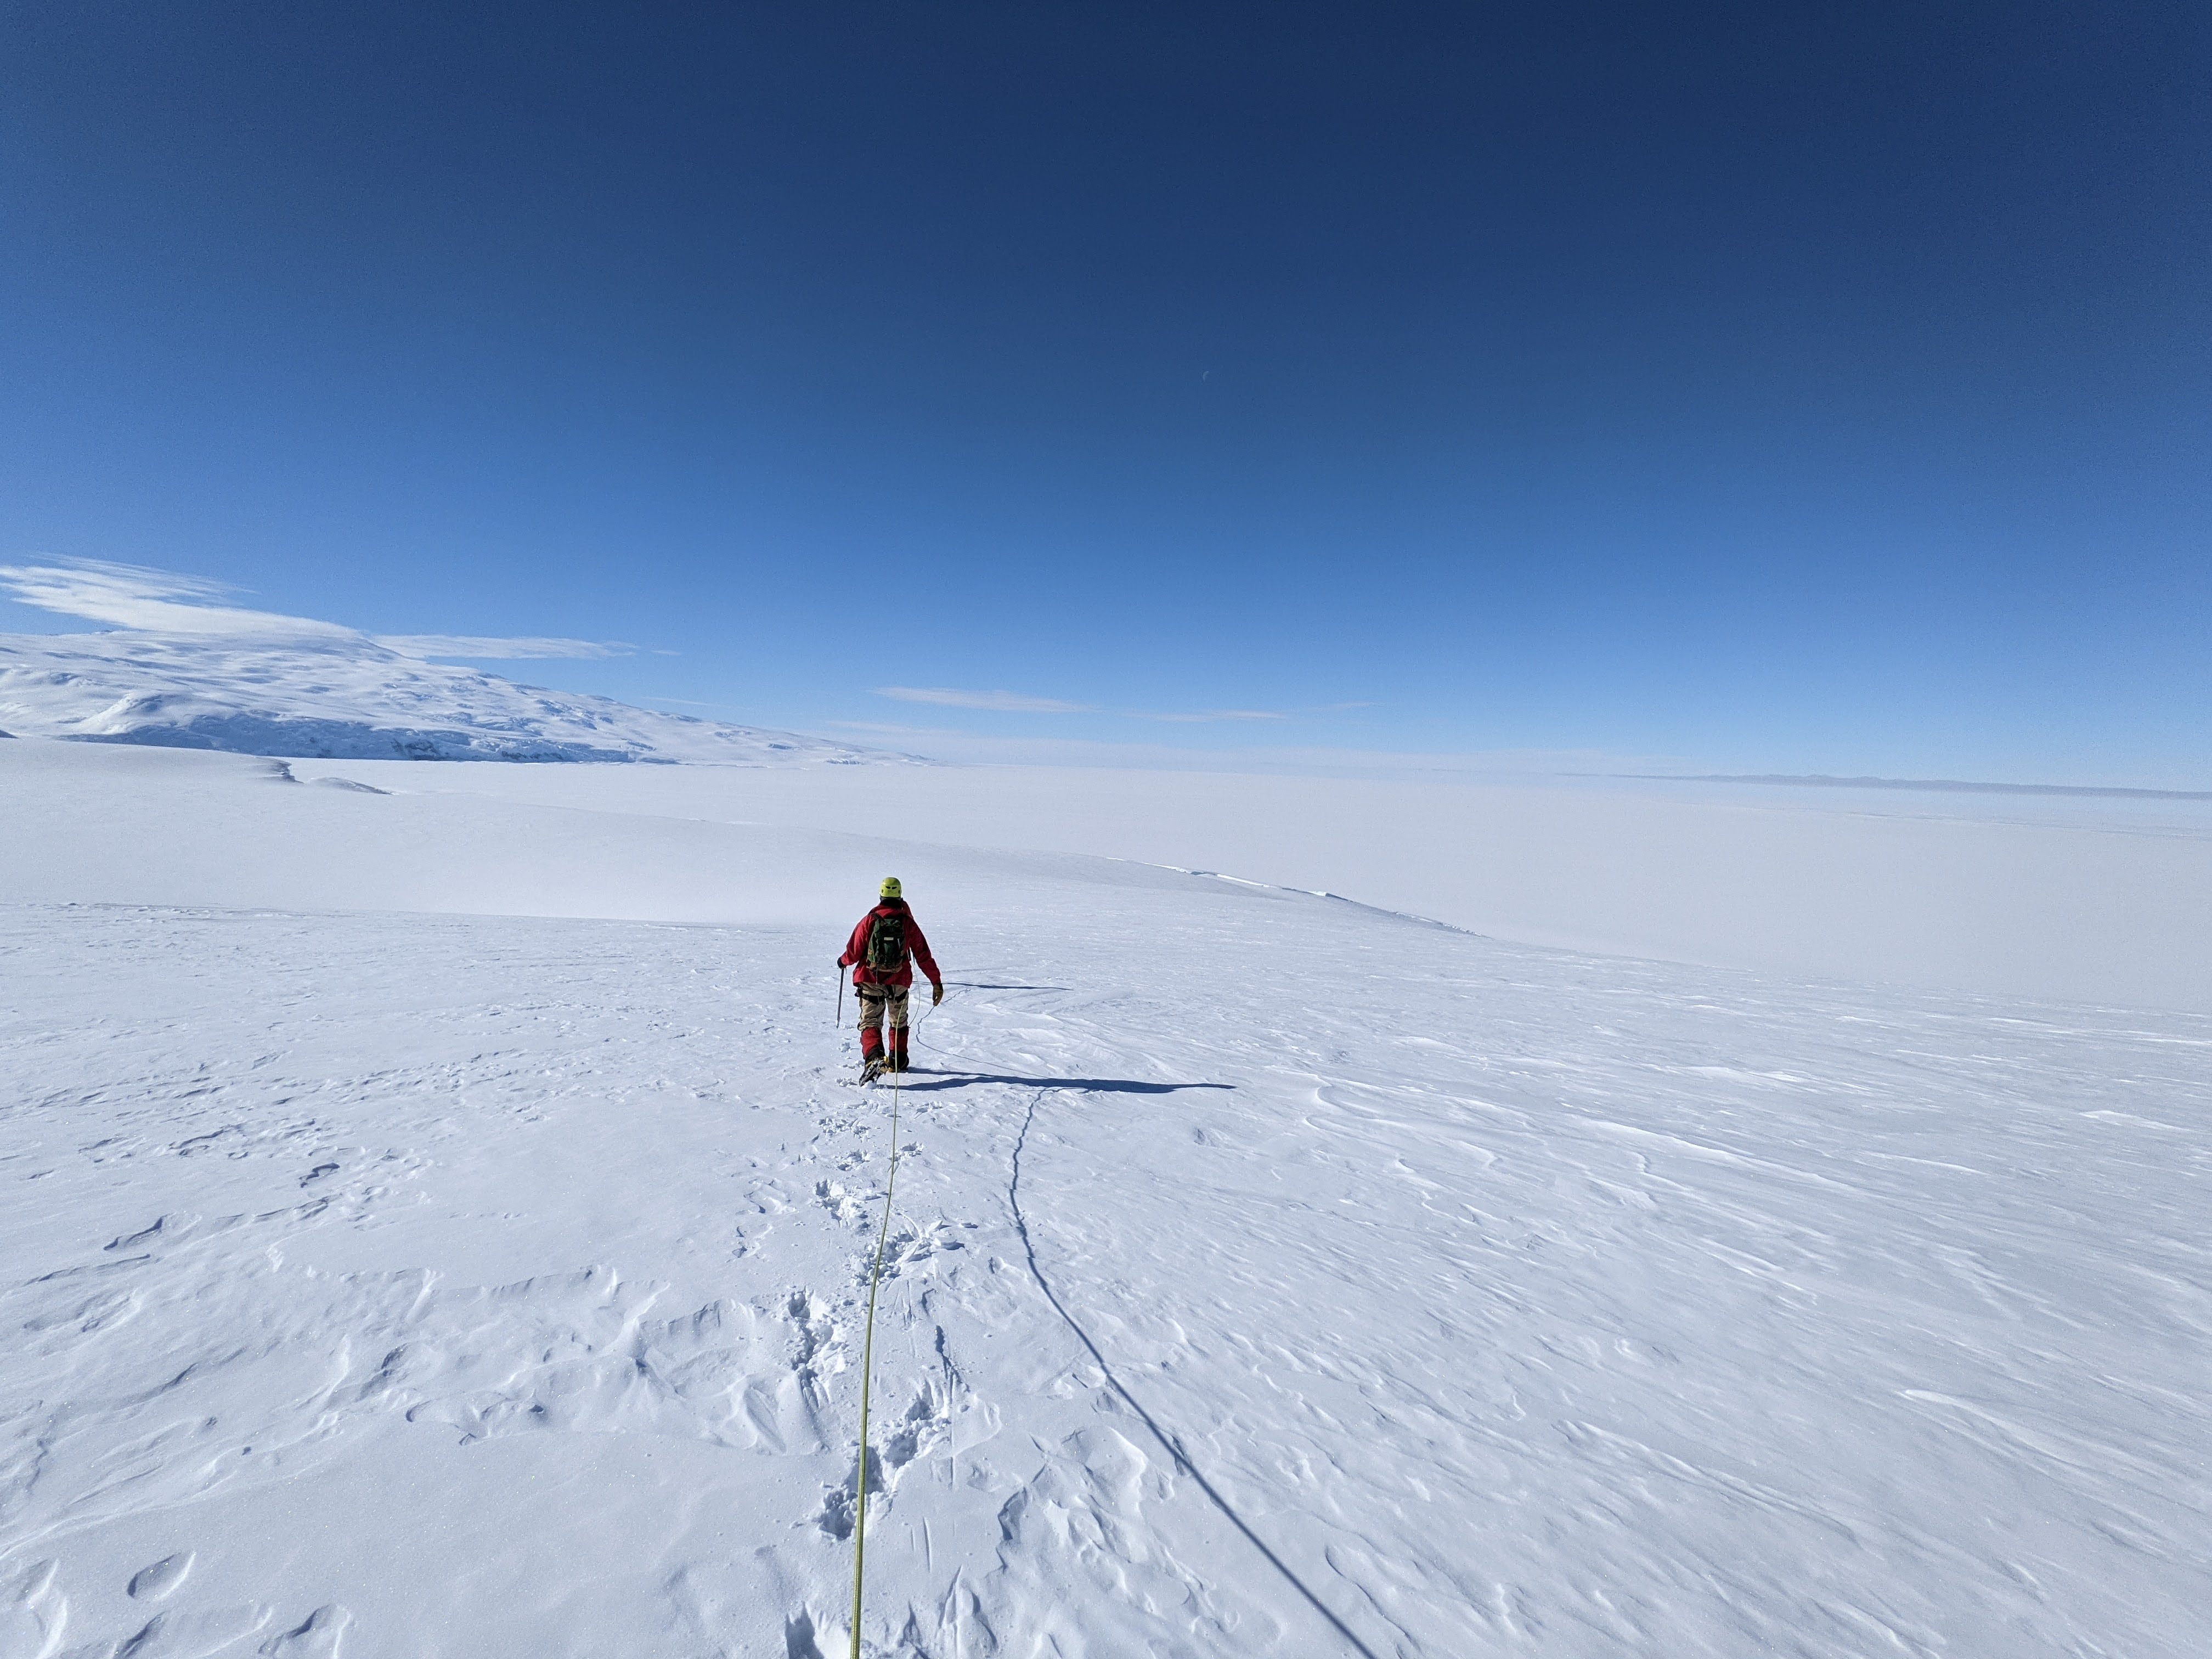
(1953,785)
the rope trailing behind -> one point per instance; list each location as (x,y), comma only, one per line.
(867,1360)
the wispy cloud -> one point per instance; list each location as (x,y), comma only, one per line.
(478,647)
(1202,716)
(1002,702)
(1554,768)
(154,601)
(1019,703)
(151,601)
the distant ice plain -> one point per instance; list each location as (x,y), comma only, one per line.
(2090,902)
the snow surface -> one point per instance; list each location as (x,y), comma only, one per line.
(338,694)
(1271,1275)
(2058,903)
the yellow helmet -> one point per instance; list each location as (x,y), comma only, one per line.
(890,889)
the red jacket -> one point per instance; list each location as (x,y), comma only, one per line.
(856,949)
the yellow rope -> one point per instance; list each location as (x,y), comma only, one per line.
(867,1360)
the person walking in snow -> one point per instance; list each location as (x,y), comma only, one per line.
(881,954)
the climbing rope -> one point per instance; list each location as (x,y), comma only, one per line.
(868,1348)
(1168,1442)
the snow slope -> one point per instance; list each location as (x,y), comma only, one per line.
(1270,1275)
(334,693)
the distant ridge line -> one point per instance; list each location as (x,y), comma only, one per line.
(1951,786)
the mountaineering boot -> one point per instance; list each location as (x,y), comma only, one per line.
(873,1068)
(898,1050)
(872,1059)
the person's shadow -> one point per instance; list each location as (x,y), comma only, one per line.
(1102,1086)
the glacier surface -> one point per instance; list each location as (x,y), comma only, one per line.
(440,1223)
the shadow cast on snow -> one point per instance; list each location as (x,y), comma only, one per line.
(1104,1086)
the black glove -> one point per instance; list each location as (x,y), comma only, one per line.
(937,994)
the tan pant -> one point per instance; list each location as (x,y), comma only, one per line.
(876,1001)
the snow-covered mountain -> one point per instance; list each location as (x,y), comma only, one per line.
(341,695)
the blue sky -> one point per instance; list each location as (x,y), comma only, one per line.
(1773,389)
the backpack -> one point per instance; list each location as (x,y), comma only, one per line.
(886,952)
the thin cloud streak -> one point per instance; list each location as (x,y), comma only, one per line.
(481,647)
(1018,702)
(999,701)
(1202,716)
(150,601)
(144,600)
(967,748)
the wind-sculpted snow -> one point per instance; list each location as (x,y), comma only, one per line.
(338,696)
(1270,1276)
